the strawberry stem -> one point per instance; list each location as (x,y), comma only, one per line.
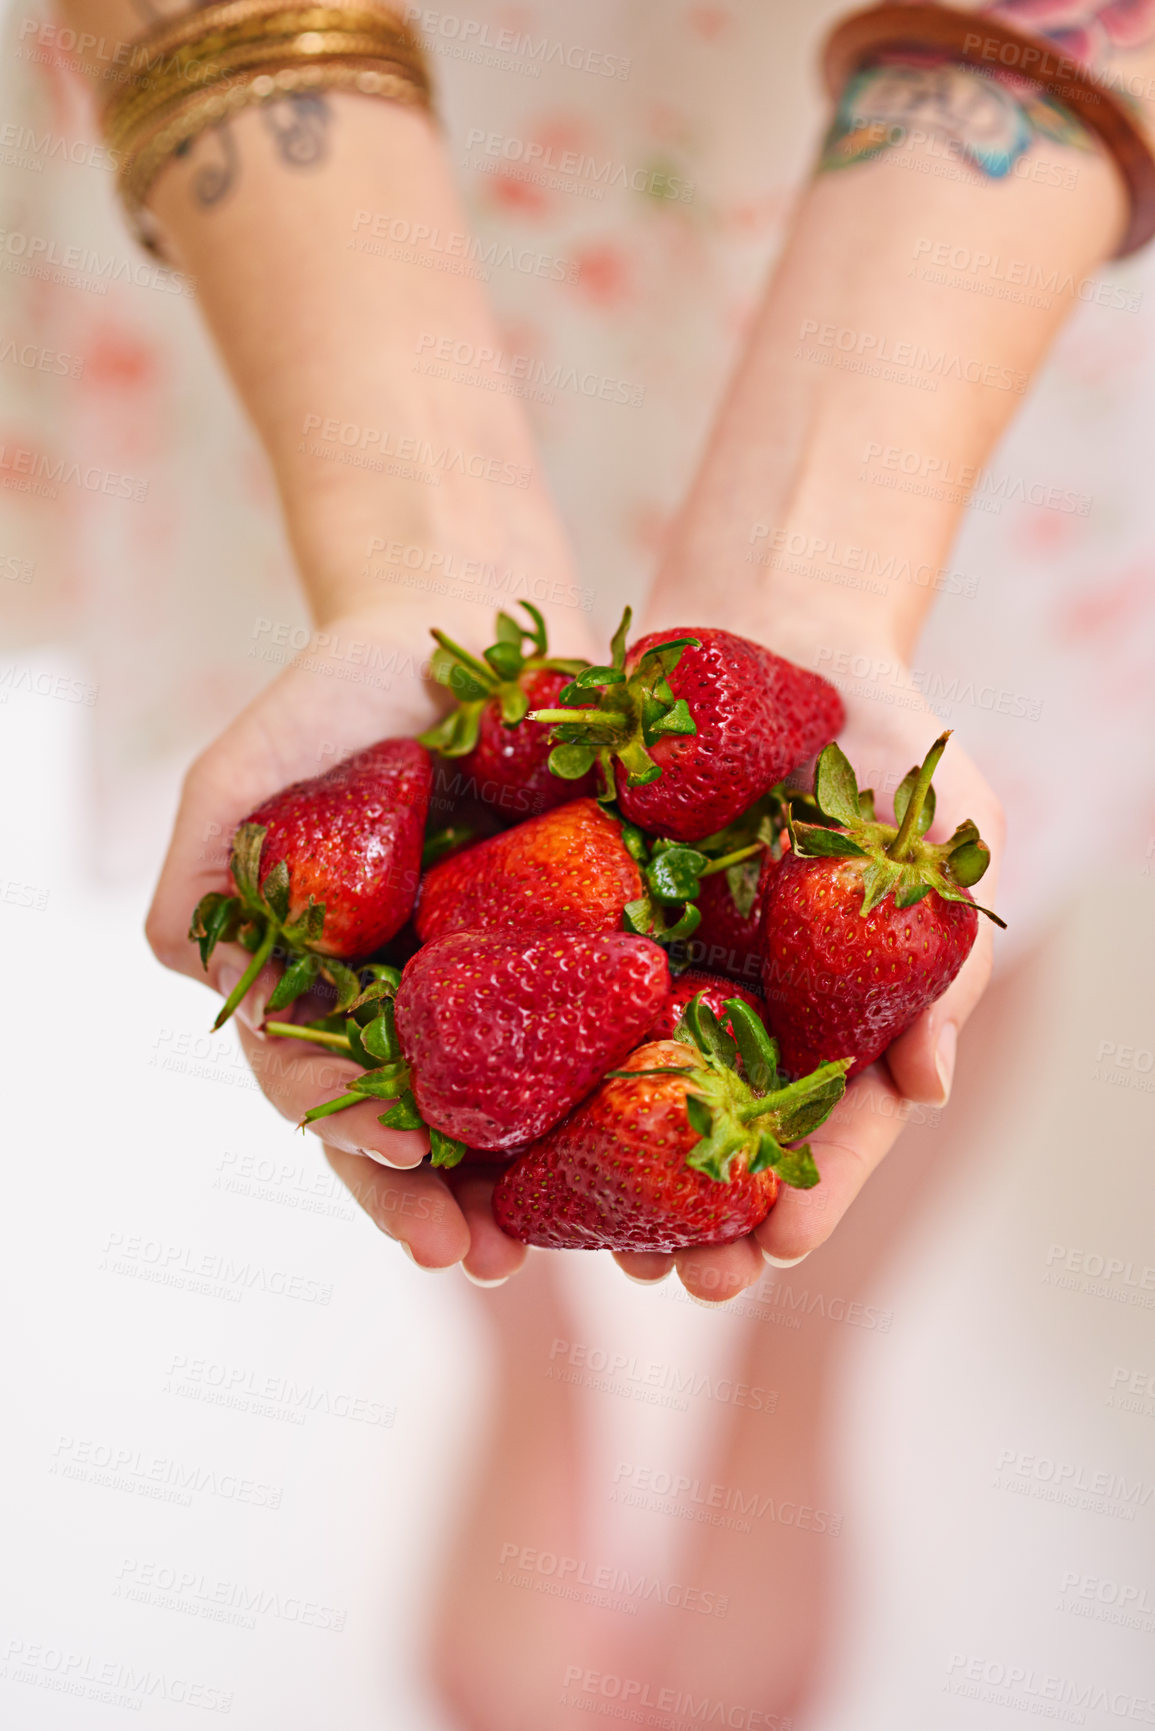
(899,847)
(316,1036)
(795,1094)
(246,980)
(592,717)
(731,859)
(482,669)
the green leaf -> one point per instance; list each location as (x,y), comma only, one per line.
(465,685)
(379,1037)
(699,1114)
(513,704)
(673,874)
(836,787)
(908,894)
(385,1083)
(640,767)
(537,635)
(353,1033)
(296,979)
(767,1154)
(684,927)
(618,641)
(714,1153)
(245,863)
(347,984)
(508,630)
(668,654)
(404,1115)
(275,890)
(812,1112)
(742,881)
(444,1150)
(708,1033)
(759,1053)
(795,1166)
(677,719)
(443,841)
(866,805)
(506,659)
(572,761)
(969,862)
(591,676)
(634,841)
(879,878)
(216,920)
(813,841)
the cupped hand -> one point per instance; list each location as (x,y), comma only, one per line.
(359,680)
(889,728)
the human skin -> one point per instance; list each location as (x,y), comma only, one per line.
(306,330)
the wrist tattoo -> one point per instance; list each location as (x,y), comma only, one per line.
(298,125)
(982,119)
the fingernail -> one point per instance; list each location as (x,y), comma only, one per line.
(380,1159)
(227,979)
(784,1261)
(944,1058)
(476,1280)
(646,1279)
(408,1251)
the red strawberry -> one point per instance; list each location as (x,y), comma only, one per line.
(673,1149)
(865,924)
(568,870)
(730,906)
(498,759)
(713,990)
(327,868)
(695,727)
(495,1035)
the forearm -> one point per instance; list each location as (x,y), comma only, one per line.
(332,339)
(868,365)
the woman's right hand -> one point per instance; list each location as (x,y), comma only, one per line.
(360,680)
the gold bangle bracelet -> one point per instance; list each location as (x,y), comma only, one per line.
(201,70)
(195,77)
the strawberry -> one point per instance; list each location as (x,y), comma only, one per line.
(495,756)
(865,923)
(713,991)
(692,728)
(568,870)
(495,1035)
(326,870)
(675,1148)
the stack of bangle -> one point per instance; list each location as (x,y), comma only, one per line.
(207,65)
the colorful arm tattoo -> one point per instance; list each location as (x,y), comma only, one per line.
(983,119)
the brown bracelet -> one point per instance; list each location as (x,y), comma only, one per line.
(979,40)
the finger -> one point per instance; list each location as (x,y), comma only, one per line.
(715,1273)
(274,742)
(296,1077)
(859,1132)
(415,1208)
(492,1256)
(645,1266)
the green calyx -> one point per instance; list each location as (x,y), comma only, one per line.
(607,714)
(749,1115)
(672,872)
(367,1033)
(838,821)
(493,676)
(257,916)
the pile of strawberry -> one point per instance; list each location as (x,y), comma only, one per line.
(520,988)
